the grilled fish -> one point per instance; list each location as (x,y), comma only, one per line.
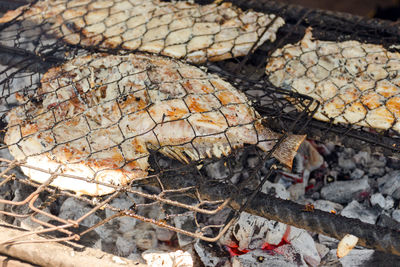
(192,32)
(356,83)
(98,115)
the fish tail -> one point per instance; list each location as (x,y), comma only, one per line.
(287,150)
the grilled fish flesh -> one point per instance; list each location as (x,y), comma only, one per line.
(98,115)
(356,83)
(181,29)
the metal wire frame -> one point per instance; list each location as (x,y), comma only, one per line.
(328,26)
(65,224)
(157,198)
(245,84)
(201,232)
(37,61)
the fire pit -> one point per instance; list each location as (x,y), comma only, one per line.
(234,210)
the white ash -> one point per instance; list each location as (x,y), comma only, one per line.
(345,191)
(297,191)
(125,245)
(218,170)
(358,211)
(390,184)
(357,173)
(177,258)
(259,258)
(396,215)
(124,202)
(185,222)
(356,257)
(145,236)
(70,211)
(253,231)
(304,243)
(212,254)
(328,241)
(346,163)
(164,234)
(322,249)
(385,203)
(275,189)
(353,184)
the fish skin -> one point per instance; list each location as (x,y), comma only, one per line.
(96,116)
(184,30)
(356,83)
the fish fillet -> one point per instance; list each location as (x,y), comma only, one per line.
(181,29)
(98,115)
(356,83)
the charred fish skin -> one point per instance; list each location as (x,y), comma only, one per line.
(184,30)
(99,114)
(356,83)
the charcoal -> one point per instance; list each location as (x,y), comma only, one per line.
(386,221)
(296,191)
(211,254)
(344,191)
(396,215)
(362,158)
(70,211)
(378,199)
(144,236)
(27,223)
(185,223)
(357,174)
(275,189)
(124,202)
(346,163)
(125,246)
(389,202)
(304,243)
(378,161)
(259,258)
(322,249)
(357,211)
(330,242)
(390,184)
(356,257)
(385,203)
(376,171)
(253,231)
(164,234)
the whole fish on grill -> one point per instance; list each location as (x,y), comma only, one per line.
(181,29)
(356,83)
(98,115)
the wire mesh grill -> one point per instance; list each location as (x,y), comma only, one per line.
(29,50)
(193,32)
(334,27)
(35,52)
